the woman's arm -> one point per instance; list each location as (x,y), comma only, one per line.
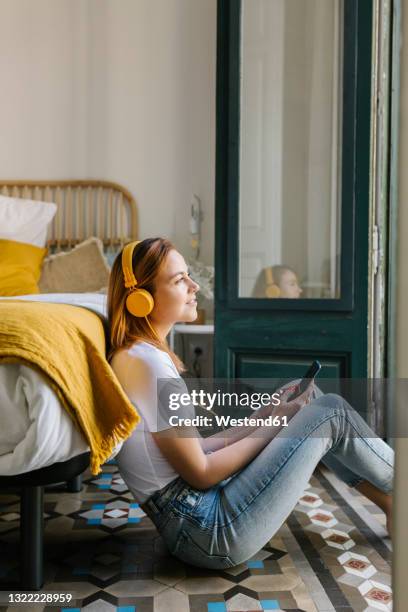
(221,439)
(203,471)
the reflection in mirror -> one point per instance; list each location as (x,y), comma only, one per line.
(277,282)
(290,148)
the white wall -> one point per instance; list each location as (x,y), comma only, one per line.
(123,91)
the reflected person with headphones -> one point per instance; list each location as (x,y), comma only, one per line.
(277,282)
(218,500)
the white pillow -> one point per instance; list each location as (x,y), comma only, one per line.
(25,220)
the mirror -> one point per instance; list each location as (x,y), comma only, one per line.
(290,148)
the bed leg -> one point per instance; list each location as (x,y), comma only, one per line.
(31,533)
(75,484)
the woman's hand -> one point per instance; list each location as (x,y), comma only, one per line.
(291,407)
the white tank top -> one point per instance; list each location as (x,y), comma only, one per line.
(142,466)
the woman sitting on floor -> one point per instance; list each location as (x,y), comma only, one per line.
(217,500)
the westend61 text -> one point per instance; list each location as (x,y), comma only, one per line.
(227,421)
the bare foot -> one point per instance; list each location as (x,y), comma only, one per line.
(381,499)
(389,523)
(387,508)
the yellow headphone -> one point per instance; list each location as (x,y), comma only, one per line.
(139,302)
(271,290)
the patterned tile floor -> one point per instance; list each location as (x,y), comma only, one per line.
(331,554)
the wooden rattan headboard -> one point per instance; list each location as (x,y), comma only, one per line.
(85,208)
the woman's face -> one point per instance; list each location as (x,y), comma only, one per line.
(289,285)
(175,292)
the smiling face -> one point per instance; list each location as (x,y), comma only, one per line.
(289,285)
(175,292)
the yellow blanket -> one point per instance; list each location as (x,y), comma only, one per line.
(67,344)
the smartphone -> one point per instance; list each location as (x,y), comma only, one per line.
(305,382)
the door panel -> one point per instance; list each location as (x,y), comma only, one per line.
(276,365)
(290,145)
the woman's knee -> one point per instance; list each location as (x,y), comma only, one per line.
(317,392)
(330,401)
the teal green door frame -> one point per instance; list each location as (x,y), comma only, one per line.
(274,338)
(392,238)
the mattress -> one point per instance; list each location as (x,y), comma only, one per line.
(36,430)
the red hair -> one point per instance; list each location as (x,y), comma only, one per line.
(126,329)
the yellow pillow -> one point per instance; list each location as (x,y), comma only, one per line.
(20,267)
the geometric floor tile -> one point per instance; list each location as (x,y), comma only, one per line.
(377,595)
(113,514)
(102,548)
(338,539)
(310,500)
(322,518)
(110,482)
(359,565)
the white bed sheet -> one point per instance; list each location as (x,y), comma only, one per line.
(35,430)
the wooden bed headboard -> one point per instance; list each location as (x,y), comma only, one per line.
(85,208)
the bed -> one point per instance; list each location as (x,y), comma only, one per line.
(39,443)
(84,208)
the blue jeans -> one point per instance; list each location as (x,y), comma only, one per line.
(228,523)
